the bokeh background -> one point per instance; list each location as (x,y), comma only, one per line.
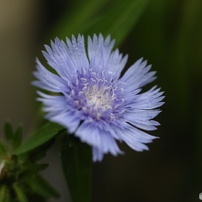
(168,33)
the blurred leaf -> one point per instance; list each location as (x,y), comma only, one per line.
(40,152)
(8,131)
(42,187)
(77,165)
(107,17)
(74,22)
(40,137)
(3,193)
(48,187)
(3,149)
(38,155)
(17,137)
(20,193)
(119,19)
(33,168)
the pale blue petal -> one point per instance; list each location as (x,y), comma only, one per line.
(68,120)
(116,63)
(109,144)
(148,100)
(135,138)
(89,133)
(48,80)
(138,75)
(97,154)
(59,59)
(142,118)
(77,52)
(99,51)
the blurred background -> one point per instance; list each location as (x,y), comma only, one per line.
(168,33)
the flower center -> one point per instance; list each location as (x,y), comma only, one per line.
(99,98)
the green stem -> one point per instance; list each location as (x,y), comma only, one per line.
(77,166)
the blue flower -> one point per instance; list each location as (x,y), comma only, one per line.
(92,100)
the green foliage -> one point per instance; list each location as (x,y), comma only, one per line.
(17,138)
(8,131)
(116,18)
(30,169)
(13,137)
(169,36)
(2,192)
(77,162)
(19,178)
(20,194)
(3,149)
(74,19)
(40,137)
(40,186)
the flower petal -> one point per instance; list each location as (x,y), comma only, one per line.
(138,75)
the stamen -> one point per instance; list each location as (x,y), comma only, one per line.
(98,96)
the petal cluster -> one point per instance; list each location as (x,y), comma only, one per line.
(91,98)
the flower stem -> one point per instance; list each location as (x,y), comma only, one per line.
(77,166)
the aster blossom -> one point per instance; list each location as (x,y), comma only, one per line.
(91,98)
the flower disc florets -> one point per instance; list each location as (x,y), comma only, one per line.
(95,103)
(98,97)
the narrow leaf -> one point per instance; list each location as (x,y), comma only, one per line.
(40,137)
(17,137)
(77,165)
(8,131)
(3,149)
(21,197)
(74,21)
(33,168)
(119,19)
(38,155)
(42,187)
(116,18)
(40,152)
(48,186)
(3,193)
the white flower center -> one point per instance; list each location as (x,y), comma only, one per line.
(98,99)
(98,96)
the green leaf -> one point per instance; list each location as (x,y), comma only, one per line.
(8,131)
(49,188)
(74,20)
(77,166)
(42,187)
(40,137)
(38,155)
(119,19)
(40,152)
(17,137)
(3,193)
(33,168)
(21,197)
(116,18)
(3,149)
